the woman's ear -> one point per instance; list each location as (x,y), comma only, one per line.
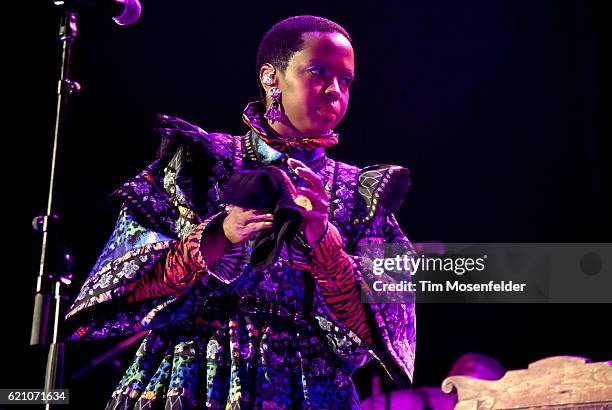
(268,76)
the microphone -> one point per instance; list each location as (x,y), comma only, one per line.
(124,12)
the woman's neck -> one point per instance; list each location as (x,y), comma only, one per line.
(304,156)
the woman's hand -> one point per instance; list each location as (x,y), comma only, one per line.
(241,224)
(315,220)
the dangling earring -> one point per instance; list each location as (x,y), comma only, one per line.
(274,112)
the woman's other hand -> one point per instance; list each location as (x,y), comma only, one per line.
(241,224)
(315,220)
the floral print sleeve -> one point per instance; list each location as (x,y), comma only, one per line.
(333,270)
(145,266)
(184,264)
(388,331)
(395,346)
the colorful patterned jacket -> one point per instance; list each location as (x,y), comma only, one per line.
(151,276)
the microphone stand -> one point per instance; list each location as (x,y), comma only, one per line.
(50,279)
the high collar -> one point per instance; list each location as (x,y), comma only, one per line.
(308,148)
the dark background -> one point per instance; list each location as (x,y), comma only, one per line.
(497,107)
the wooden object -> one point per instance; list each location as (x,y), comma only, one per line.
(561,382)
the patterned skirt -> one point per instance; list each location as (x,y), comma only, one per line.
(235,361)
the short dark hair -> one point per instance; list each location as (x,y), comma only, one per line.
(284,39)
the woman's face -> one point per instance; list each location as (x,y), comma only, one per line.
(315,85)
